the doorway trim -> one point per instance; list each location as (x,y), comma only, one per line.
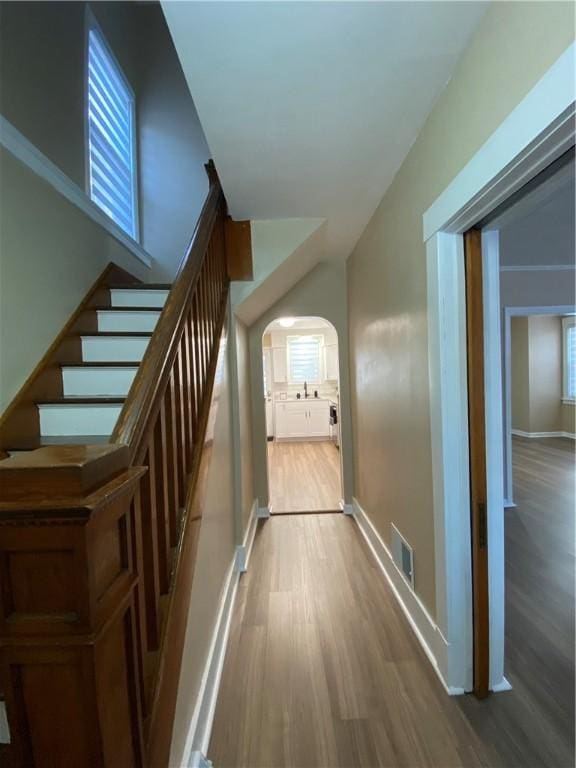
(509,313)
(342,505)
(537,131)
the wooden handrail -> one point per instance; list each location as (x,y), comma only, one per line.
(154,370)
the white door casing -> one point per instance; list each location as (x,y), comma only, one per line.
(537,131)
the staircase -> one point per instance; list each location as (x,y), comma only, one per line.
(102,493)
(94,390)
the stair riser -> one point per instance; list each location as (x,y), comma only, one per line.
(103,350)
(89,419)
(127,321)
(94,382)
(120,297)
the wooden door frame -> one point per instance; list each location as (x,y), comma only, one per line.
(539,130)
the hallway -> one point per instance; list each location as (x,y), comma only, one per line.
(304,476)
(323,670)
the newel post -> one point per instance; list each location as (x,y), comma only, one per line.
(68,621)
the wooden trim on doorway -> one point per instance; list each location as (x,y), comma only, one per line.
(477,437)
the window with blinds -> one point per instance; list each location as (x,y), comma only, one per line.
(111,135)
(304,358)
(569,328)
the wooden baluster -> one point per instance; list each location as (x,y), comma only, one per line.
(213,287)
(140,597)
(207,319)
(175,499)
(150,551)
(193,393)
(197,354)
(159,446)
(202,335)
(207,293)
(188,381)
(180,432)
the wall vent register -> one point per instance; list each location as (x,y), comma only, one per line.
(111,134)
(403,555)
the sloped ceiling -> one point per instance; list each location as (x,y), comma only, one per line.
(309,108)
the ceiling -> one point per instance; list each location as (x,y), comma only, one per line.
(300,323)
(309,108)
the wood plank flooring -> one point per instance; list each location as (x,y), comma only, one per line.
(323,670)
(534,724)
(304,476)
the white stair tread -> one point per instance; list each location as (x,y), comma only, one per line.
(92,381)
(110,320)
(78,419)
(138,297)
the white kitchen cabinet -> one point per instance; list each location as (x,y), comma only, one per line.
(302,419)
(331,362)
(279,368)
(319,419)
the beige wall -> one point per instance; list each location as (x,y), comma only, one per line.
(215,555)
(321,293)
(536,362)
(520,373)
(545,352)
(50,255)
(514,45)
(244,454)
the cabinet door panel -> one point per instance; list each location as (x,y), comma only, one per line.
(291,420)
(319,420)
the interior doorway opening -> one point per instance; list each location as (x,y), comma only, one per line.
(301,393)
(521,395)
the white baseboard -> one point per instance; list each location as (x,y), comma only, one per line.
(521,433)
(244,550)
(4,729)
(198,738)
(263,512)
(502,686)
(198,760)
(346,508)
(423,625)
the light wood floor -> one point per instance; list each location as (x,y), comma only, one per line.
(323,670)
(304,477)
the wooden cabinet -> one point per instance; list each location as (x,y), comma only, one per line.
(302,419)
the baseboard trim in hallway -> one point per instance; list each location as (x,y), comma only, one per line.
(521,433)
(201,724)
(424,627)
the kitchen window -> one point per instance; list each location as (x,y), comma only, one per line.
(111,133)
(569,358)
(304,358)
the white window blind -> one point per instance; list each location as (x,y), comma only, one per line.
(570,360)
(111,135)
(304,358)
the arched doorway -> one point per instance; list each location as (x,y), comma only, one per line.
(301,391)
